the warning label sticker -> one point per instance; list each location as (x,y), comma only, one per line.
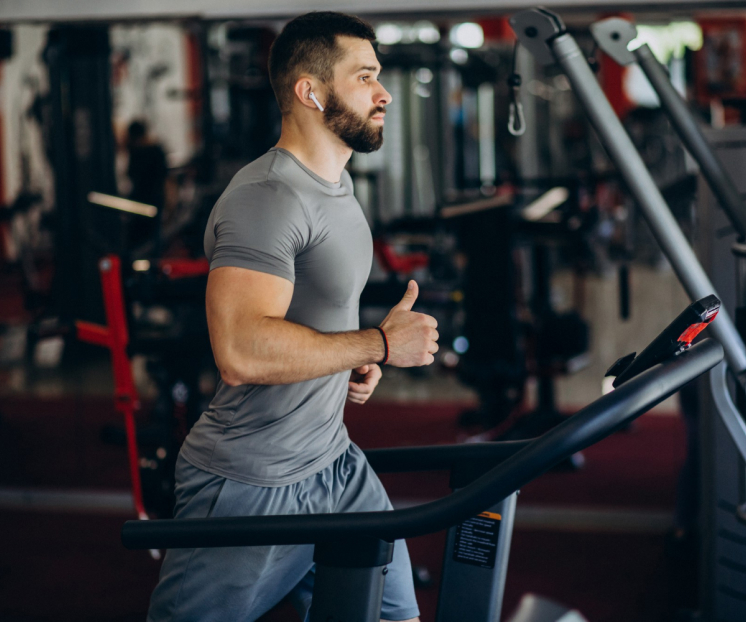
(476,540)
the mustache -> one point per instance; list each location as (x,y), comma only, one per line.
(378,110)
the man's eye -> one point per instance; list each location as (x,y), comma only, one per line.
(364,78)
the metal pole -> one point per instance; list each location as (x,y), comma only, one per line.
(691,135)
(713,170)
(349,581)
(662,223)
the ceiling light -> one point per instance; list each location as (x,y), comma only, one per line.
(388,34)
(459,56)
(426,32)
(467,35)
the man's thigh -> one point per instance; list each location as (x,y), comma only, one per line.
(232,583)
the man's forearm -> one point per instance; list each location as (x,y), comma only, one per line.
(281,352)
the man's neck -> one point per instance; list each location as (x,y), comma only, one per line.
(316,147)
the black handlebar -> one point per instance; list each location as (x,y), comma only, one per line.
(440,457)
(590,425)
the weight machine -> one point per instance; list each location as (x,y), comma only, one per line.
(543,33)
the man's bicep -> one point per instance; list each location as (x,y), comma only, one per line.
(238,299)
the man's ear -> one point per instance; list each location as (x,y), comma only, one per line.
(303,88)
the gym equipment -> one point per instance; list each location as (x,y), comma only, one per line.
(352,550)
(115,337)
(723,582)
(80,146)
(544,34)
(174,353)
(613,36)
(678,336)
(561,340)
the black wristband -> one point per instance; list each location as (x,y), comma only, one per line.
(385,346)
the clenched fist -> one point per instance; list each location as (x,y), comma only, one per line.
(363,382)
(411,336)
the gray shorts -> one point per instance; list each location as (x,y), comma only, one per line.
(243,583)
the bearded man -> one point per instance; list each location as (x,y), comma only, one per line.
(290,252)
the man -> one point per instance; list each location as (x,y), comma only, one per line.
(290,251)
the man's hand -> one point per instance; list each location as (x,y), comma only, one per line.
(411,336)
(363,381)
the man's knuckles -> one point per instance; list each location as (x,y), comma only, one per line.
(360,388)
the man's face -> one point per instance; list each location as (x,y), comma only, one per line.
(355,102)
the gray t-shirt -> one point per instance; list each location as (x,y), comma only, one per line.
(277,216)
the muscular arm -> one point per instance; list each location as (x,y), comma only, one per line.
(254,344)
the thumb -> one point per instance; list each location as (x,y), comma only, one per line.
(410,296)
(363,370)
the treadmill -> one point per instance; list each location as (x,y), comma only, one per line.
(352,550)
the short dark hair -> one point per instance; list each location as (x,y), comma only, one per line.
(308,44)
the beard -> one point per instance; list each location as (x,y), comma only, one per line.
(357,133)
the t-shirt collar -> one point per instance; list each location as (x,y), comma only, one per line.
(319,179)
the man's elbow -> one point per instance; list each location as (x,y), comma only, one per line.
(235,375)
(231,378)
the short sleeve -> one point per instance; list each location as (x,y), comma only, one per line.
(260,226)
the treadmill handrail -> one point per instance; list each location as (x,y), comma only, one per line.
(591,424)
(440,457)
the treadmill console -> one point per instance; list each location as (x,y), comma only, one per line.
(675,338)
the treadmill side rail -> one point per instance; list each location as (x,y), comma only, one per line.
(726,407)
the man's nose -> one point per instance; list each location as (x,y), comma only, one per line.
(383,98)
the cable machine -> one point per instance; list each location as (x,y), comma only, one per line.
(543,33)
(723,577)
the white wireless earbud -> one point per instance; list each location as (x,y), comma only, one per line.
(312,97)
